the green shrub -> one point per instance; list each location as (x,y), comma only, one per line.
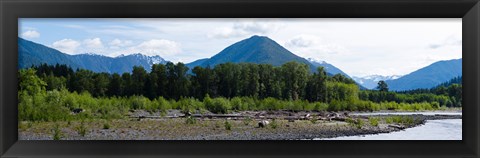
(389,120)
(218,105)
(274,124)
(228,125)
(190,120)
(336,105)
(163,104)
(350,121)
(82,129)
(139,102)
(373,121)
(57,132)
(106,125)
(360,123)
(404,120)
(319,106)
(247,121)
(22,126)
(239,104)
(355,123)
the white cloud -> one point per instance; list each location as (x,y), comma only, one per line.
(357,46)
(31,34)
(162,47)
(94,43)
(116,27)
(245,28)
(449,41)
(117,43)
(314,47)
(68,46)
(74,26)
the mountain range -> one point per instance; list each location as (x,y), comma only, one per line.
(256,49)
(429,76)
(371,81)
(30,53)
(261,50)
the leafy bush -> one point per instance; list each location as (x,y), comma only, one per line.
(274,124)
(239,104)
(404,120)
(228,125)
(82,129)
(319,106)
(139,102)
(355,123)
(57,132)
(373,121)
(106,125)
(389,120)
(190,120)
(218,105)
(247,121)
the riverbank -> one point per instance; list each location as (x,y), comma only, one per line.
(279,125)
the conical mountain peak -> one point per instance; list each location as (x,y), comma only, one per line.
(256,49)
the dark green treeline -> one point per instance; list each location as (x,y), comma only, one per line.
(290,81)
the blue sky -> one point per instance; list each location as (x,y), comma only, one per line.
(360,47)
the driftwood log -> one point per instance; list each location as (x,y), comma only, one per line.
(263,123)
(257,116)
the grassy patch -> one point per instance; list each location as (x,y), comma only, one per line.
(373,121)
(247,121)
(403,120)
(355,122)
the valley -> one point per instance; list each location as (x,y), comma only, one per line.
(254,89)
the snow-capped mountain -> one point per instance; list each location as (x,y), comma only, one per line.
(371,81)
(150,59)
(312,60)
(328,67)
(31,53)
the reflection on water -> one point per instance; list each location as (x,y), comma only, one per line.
(450,129)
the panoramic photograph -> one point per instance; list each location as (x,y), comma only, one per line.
(239,79)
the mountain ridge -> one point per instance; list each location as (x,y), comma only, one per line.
(429,76)
(29,55)
(371,81)
(256,49)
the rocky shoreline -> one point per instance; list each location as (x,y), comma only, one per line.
(281,126)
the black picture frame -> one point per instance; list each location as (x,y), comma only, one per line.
(11,10)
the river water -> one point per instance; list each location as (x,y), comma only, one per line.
(448,129)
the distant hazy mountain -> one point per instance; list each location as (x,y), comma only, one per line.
(31,53)
(328,67)
(256,49)
(371,81)
(429,76)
